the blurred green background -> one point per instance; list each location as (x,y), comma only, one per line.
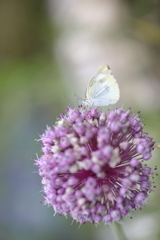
(48,50)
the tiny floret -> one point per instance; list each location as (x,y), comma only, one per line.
(93,164)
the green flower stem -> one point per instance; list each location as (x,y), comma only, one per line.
(118,231)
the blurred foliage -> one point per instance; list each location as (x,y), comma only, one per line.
(145,20)
(144,25)
(25,28)
(145,31)
(142,8)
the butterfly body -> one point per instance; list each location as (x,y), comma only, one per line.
(102,89)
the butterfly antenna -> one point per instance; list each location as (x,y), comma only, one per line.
(67,97)
(77,98)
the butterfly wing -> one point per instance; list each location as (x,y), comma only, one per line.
(103,88)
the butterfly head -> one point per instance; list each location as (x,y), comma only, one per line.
(88,102)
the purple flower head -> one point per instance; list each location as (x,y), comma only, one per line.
(92,165)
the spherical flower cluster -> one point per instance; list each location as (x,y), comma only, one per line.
(92,165)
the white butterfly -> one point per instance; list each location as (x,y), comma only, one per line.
(102,89)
